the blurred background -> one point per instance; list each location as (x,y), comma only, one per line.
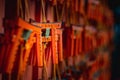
(59,40)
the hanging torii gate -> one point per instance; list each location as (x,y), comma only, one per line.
(24,36)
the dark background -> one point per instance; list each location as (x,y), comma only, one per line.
(115,66)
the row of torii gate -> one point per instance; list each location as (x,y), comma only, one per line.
(37,44)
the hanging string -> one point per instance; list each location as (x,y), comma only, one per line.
(43,11)
(44,64)
(63,11)
(19,8)
(18,4)
(27,9)
(57,14)
(60,17)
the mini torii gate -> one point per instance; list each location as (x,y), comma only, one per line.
(24,36)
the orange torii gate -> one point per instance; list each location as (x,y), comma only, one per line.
(78,39)
(90,39)
(55,38)
(19,26)
(76,36)
(73,34)
(17,29)
(72,43)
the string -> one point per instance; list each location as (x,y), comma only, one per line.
(60,17)
(27,8)
(43,11)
